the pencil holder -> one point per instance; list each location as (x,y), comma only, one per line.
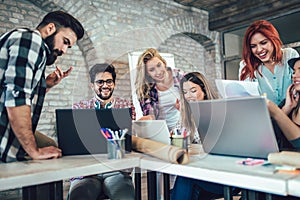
(179,141)
(115,148)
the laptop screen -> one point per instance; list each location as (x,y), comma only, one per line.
(78,130)
(156,130)
(237,127)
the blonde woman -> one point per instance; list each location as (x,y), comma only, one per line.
(157,88)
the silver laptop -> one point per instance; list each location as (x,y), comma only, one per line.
(156,130)
(237,127)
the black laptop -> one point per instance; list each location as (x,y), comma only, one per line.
(78,130)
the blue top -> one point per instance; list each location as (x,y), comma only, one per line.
(275,85)
(296,143)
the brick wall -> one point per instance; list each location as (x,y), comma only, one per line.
(114,28)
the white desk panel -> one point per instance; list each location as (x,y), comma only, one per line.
(33,172)
(224,170)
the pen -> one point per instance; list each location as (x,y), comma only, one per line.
(111,133)
(251,161)
(117,135)
(105,133)
(184,133)
(124,133)
(102,132)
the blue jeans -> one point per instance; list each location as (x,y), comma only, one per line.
(192,189)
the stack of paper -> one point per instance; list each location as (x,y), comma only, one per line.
(232,88)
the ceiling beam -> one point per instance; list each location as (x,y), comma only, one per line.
(242,13)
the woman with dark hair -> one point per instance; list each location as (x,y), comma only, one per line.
(194,87)
(264,60)
(288,117)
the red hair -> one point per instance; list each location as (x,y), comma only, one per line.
(252,62)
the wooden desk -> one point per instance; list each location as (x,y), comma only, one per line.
(36,172)
(224,170)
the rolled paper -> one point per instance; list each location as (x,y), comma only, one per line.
(285,158)
(160,150)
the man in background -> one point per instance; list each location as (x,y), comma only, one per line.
(114,185)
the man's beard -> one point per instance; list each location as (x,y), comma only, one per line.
(54,53)
(105,97)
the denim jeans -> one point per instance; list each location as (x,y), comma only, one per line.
(192,189)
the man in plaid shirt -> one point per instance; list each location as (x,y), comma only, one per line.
(24,55)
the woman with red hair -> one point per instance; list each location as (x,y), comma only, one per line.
(264,60)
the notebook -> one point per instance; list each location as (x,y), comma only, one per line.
(237,127)
(156,130)
(78,130)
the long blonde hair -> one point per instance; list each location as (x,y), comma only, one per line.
(143,82)
(185,110)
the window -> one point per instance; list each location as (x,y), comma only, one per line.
(287,26)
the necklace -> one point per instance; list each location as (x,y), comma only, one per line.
(167,84)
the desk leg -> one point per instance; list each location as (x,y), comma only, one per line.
(138,182)
(47,191)
(244,194)
(227,193)
(166,186)
(249,194)
(269,196)
(151,185)
(254,195)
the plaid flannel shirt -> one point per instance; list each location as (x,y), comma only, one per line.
(95,103)
(23,56)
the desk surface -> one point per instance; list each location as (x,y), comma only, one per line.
(224,170)
(219,169)
(294,186)
(45,171)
